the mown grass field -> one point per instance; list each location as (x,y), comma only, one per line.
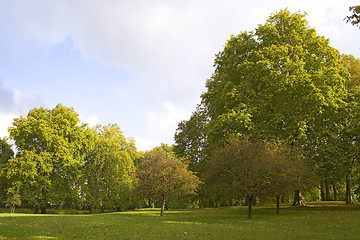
(315,221)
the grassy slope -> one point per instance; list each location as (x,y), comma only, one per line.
(316,221)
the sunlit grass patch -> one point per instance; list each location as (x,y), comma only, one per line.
(42,237)
(315,221)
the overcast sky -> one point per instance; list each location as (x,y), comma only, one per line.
(138,63)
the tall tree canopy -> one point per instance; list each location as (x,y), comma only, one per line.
(50,152)
(274,81)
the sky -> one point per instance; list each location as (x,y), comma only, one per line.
(140,64)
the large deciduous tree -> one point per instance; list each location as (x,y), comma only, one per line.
(109,169)
(50,153)
(163,176)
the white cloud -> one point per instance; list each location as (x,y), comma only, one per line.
(6,120)
(143,144)
(163,123)
(92,120)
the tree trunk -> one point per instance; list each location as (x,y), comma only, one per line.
(277,204)
(349,195)
(43,209)
(296,201)
(163,207)
(102,209)
(250,199)
(12,210)
(322,193)
(95,193)
(282,199)
(335,192)
(92,206)
(327,190)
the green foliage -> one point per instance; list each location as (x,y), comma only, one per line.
(63,163)
(13,199)
(190,139)
(272,82)
(6,153)
(249,169)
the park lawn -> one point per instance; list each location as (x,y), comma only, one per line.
(316,221)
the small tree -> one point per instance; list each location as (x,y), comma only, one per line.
(162,176)
(13,199)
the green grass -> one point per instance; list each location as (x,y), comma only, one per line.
(316,221)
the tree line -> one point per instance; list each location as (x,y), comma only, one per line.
(61,163)
(279,121)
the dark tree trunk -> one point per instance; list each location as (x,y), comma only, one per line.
(163,207)
(327,190)
(282,199)
(250,199)
(349,195)
(296,201)
(277,204)
(335,192)
(322,193)
(37,209)
(102,209)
